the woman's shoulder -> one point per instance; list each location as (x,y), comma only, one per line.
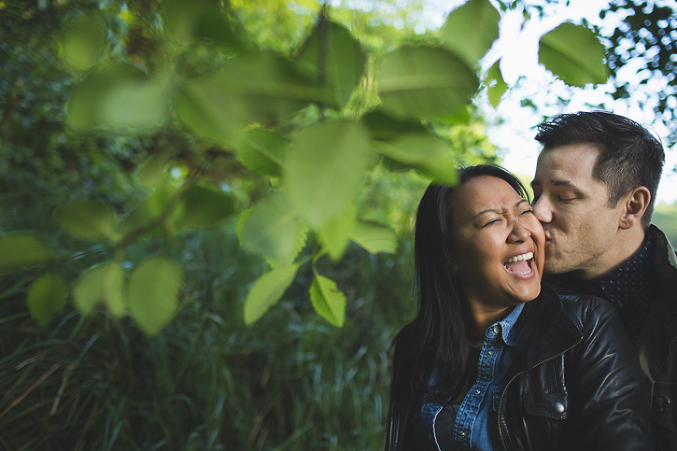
(584,303)
(588,311)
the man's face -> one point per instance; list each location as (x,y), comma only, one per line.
(580,227)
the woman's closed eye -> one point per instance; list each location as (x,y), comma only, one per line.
(492,221)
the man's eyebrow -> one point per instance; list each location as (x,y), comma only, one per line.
(565,183)
(562,183)
(499,211)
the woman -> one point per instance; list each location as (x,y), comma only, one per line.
(495,362)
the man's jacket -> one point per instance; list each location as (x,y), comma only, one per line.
(657,345)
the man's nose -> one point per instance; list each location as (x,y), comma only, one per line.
(543,210)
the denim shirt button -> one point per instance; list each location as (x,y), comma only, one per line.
(559,407)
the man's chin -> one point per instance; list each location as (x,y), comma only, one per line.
(554,267)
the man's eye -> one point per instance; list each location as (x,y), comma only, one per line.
(493,221)
(565,199)
(526,212)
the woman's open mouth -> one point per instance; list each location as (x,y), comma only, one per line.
(520,265)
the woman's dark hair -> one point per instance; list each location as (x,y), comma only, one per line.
(436,339)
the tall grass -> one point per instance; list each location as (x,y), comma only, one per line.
(208,382)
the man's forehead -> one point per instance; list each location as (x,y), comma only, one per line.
(567,163)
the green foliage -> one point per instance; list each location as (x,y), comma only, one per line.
(101,287)
(496,86)
(327,168)
(470,30)
(46,296)
(424,81)
(665,217)
(153,292)
(334,58)
(575,54)
(315,118)
(207,381)
(20,251)
(327,300)
(646,34)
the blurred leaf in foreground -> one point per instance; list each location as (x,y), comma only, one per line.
(46,296)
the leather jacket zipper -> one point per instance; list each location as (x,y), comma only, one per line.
(505,390)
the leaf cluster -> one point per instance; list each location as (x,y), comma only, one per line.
(313,123)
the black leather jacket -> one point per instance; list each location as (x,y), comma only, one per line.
(583,388)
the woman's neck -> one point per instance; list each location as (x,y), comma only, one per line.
(482,318)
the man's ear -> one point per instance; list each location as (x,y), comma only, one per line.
(635,204)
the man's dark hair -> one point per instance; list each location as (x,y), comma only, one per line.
(630,155)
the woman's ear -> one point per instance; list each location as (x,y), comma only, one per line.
(635,204)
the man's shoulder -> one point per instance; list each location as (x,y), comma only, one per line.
(665,252)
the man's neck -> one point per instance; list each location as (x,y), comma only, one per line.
(628,243)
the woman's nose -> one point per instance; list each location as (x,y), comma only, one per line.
(519,232)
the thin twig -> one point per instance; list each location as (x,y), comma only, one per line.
(33,387)
(66,374)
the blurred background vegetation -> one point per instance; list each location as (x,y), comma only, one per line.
(206,381)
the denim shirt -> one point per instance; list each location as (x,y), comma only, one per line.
(474,426)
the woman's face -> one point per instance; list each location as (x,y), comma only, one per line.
(499,244)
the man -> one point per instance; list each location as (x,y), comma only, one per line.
(594,191)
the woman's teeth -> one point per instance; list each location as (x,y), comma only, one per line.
(519,258)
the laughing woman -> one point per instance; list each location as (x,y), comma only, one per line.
(494,361)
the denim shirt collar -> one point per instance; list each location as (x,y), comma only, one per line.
(505,328)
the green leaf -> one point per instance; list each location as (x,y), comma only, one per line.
(327,168)
(334,59)
(263,151)
(424,152)
(374,237)
(120,97)
(101,287)
(496,86)
(267,291)
(207,108)
(204,207)
(22,250)
(153,171)
(253,88)
(87,219)
(271,228)
(145,216)
(384,127)
(470,30)
(82,43)
(46,296)
(188,20)
(328,300)
(425,81)
(575,54)
(153,293)
(335,234)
